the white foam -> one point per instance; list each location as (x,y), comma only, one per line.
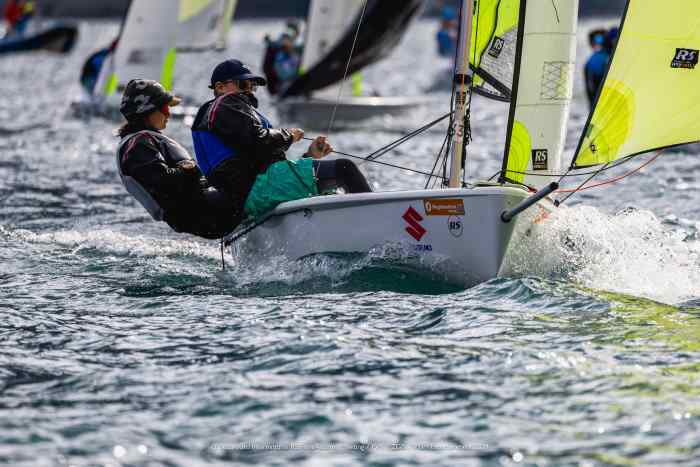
(118,243)
(631,252)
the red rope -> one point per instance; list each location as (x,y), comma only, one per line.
(612,180)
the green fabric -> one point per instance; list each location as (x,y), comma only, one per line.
(283,181)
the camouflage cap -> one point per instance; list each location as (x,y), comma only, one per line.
(143,96)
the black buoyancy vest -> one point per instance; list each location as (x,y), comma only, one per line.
(170,152)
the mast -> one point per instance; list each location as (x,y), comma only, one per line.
(462,83)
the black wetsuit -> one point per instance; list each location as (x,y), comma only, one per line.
(190,205)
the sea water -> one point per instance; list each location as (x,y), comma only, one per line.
(123,343)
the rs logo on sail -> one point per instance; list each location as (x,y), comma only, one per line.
(685,58)
(539,159)
(496,47)
(413,219)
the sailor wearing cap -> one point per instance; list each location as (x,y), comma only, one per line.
(160,173)
(242,155)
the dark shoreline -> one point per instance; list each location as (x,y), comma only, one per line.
(262,8)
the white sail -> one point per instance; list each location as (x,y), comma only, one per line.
(328,20)
(146,47)
(225,23)
(543,91)
(204,24)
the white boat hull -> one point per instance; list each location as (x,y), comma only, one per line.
(454,233)
(316,113)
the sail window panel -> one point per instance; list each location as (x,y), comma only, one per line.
(493,47)
(651,95)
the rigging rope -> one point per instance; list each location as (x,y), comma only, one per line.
(568,173)
(347,68)
(374,161)
(581,187)
(395,144)
(372,157)
(447,142)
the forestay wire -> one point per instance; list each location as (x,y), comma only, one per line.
(347,68)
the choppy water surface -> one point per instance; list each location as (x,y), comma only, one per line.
(124,344)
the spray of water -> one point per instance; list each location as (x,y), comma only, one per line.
(116,243)
(630,252)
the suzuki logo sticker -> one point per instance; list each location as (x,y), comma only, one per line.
(413,219)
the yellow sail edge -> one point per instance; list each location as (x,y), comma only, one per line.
(651,96)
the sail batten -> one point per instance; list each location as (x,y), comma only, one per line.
(651,100)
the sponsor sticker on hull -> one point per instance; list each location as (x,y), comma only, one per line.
(455,225)
(444,207)
(413,219)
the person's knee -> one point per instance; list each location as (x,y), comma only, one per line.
(346,166)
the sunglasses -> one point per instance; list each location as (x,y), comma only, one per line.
(243,85)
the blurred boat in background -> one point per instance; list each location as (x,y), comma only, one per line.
(341,40)
(152,34)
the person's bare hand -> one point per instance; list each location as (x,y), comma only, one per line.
(297,134)
(187,165)
(319,148)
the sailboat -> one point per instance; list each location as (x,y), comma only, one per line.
(205,25)
(648,101)
(57,37)
(148,45)
(366,31)
(36,33)
(456,229)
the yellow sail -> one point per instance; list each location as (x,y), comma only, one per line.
(651,96)
(494,38)
(190,8)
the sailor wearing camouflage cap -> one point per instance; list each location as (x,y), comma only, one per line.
(159,172)
(143,96)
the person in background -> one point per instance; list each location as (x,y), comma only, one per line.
(282,55)
(447,34)
(597,63)
(242,155)
(160,173)
(286,61)
(27,13)
(11,13)
(611,40)
(91,69)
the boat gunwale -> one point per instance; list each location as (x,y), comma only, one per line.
(325,202)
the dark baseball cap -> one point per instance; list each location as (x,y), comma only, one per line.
(234,70)
(143,96)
